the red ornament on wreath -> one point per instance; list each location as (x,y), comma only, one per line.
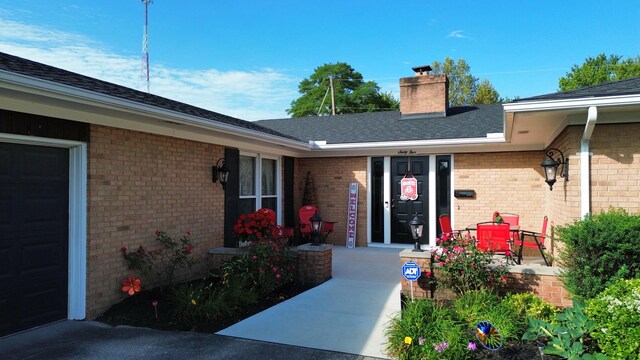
(408,188)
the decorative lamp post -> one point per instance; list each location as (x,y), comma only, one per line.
(316,225)
(550,167)
(416,231)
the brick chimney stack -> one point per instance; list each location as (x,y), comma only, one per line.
(424,95)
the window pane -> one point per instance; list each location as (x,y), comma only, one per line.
(247,176)
(268,177)
(246,206)
(270,203)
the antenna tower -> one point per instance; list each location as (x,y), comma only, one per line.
(145,45)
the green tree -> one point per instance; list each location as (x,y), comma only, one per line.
(486,93)
(352,94)
(464,87)
(598,70)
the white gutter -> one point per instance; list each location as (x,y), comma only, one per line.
(493,138)
(101,100)
(572,103)
(585,198)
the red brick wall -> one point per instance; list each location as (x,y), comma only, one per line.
(332,177)
(139,183)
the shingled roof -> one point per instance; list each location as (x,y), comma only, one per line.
(37,70)
(614,88)
(460,122)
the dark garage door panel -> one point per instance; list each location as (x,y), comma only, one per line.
(34,207)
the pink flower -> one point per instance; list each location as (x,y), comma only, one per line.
(471,346)
(154,303)
(278,276)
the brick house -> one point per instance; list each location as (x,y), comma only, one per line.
(87,167)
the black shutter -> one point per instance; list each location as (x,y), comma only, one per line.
(287,183)
(231,195)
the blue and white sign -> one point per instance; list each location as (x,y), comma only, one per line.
(411,271)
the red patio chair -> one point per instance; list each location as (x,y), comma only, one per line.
(494,237)
(445,227)
(538,241)
(511,219)
(306,230)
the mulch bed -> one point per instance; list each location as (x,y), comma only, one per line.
(138,311)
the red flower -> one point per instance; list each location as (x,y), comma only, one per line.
(188,233)
(188,249)
(123,249)
(131,285)
(503,279)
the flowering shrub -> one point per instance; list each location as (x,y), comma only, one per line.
(174,254)
(616,312)
(264,264)
(256,225)
(462,267)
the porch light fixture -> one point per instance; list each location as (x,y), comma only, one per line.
(416,231)
(220,171)
(550,167)
(316,225)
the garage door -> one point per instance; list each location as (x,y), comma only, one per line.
(34,221)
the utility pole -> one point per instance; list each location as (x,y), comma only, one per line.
(333,99)
(145,46)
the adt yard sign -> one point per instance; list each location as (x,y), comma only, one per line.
(411,271)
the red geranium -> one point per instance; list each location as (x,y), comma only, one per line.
(256,225)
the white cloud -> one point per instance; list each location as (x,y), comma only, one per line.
(458,34)
(249,95)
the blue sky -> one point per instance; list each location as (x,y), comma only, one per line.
(245,58)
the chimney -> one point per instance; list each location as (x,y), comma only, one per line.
(424,94)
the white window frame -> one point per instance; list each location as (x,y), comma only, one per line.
(258,181)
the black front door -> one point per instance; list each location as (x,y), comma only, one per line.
(34,222)
(403,211)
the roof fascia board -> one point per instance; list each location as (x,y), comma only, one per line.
(70,93)
(490,139)
(579,103)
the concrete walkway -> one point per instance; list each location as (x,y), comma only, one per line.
(346,314)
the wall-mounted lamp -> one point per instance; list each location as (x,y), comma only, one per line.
(550,167)
(220,171)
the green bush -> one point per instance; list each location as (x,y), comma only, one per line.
(424,328)
(482,305)
(209,299)
(599,250)
(569,337)
(616,312)
(528,305)
(263,264)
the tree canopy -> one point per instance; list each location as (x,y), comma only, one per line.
(600,69)
(352,94)
(464,88)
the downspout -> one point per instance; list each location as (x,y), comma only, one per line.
(585,190)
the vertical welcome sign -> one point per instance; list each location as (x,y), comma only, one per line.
(352,215)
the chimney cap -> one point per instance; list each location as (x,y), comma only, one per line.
(421,69)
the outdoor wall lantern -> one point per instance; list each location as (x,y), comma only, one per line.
(550,167)
(316,225)
(220,171)
(416,231)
